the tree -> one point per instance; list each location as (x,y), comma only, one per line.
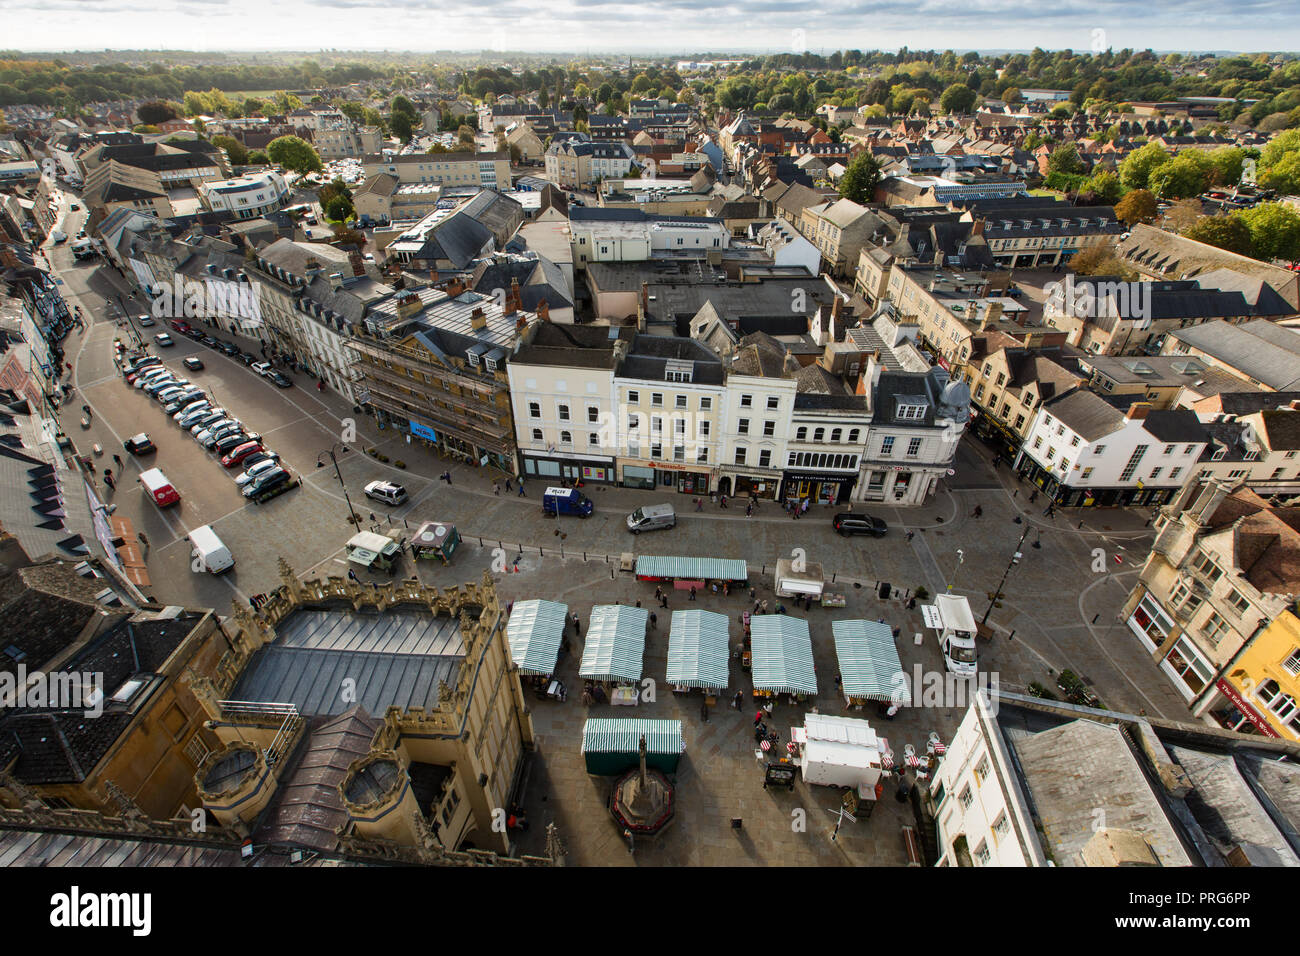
(1102,188)
(401,104)
(1101,260)
(958,98)
(402,126)
(1135,171)
(1065,159)
(1138,206)
(295,153)
(234,149)
(860,179)
(1274,231)
(1183,176)
(258,157)
(1225,232)
(339,209)
(157,111)
(1225,166)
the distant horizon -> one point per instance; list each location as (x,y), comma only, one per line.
(658,28)
(616,52)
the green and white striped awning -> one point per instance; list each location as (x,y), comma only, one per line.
(698,650)
(782,654)
(535,632)
(693,569)
(869,664)
(615,643)
(622,735)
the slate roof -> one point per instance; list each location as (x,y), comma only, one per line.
(1086,414)
(1175,425)
(1261,350)
(649,356)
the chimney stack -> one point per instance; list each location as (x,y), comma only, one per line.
(513,301)
(357,263)
(1138,410)
(477,320)
(544,311)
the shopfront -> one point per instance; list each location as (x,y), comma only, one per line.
(655,475)
(575,468)
(1150,623)
(1069,497)
(761,486)
(818,488)
(999,437)
(1232,711)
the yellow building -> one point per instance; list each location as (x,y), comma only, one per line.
(1262,685)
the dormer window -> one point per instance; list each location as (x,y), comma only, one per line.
(911,412)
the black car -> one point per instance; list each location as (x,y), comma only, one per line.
(280,379)
(850,523)
(228,347)
(140,364)
(209,341)
(139,445)
(180,401)
(193,363)
(266,484)
(232,441)
(196,334)
(248,357)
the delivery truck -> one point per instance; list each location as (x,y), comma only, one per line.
(566,501)
(956,634)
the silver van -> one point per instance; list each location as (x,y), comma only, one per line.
(650,518)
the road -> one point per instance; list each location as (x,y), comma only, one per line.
(1050,601)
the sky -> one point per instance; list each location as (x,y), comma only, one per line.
(678,27)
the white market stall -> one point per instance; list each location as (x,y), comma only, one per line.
(698,651)
(839,752)
(870,668)
(615,644)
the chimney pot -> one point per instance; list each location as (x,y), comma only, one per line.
(1138,410)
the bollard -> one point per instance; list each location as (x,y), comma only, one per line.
(1094,618)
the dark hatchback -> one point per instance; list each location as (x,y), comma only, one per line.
(849,523)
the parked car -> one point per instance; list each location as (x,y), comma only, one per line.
(140,364)
(164,340)
(139,444)
(256,470)
(238,454)
(281,380)
(267,483)
(209,418)
(389,492)
(228,347)
(193,364)
(179,326)
(145,321)
(196,334)
(233,440)
(850,523)
(248,358)
(209,436)
(183,400)
(209,341)
(261,368)
(188,419)
(58,236)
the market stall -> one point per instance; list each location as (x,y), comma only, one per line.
(840,752)
(870,669)
(700,573)
(535,633)
(612,745)
(802,578)
(435,539)
(615,644)
(782,656)
(697,651)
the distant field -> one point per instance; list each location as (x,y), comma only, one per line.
(256,94)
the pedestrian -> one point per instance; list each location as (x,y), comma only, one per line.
(692,592)
(723,501)
(738,700)
(449,478)
(763,605)
(663,602)
(521,489)
(978,512)
(758,717)
(699,504)
(659,592)
(108,479)
(756,603)
(352,575)
(1033,497)
(1015,493)
(117,461)
(806,503)
(577,628)
(508,487)
(143,539)
(752,593)
(726,589)
(767,708)
(911,535)
(654,621)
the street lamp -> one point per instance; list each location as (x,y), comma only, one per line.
(961,559)
(320,463)
(1015,559)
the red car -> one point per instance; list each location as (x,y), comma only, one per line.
(241,452)
(179,326)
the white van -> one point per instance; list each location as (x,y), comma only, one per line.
(214,556)
(650,517)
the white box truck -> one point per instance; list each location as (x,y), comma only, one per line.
(956,634)
(211,554)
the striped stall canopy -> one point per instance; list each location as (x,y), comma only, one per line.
(694,569)
(615,643)
(535,632)
(698,650)
(782,654)
(623,736)
(869,664)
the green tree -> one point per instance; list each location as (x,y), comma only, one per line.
(1225,232)
(401,104)
(1105,186)
(145,128)
(1135,170)
(295,153)
(1138,206)
(258,157)
(339,209)
(1065,159)
(1225,166)
(860,179)
(234,149)
(1183,176)
(402,126)
(157,111)
(1274,231)
(958,98)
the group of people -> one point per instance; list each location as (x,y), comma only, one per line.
(795,507)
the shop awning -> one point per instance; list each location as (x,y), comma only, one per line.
(535,632)
(698,650)
(623,736)
(695,569)
(615,643)
(782,654)
(869,664)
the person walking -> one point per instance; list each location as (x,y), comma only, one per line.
(352,576)
(752,595)
(738,700)
(978,512)
(117,462)
(496,488)
(663,602)
(654,621)
(749,510)
(577,627)
(911,535)
(699,504)
(723,501)
(448,478)
(692,592)
(521,489)
(758,717)
(508,486)
(763,605)
(108,479)
(659,593)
